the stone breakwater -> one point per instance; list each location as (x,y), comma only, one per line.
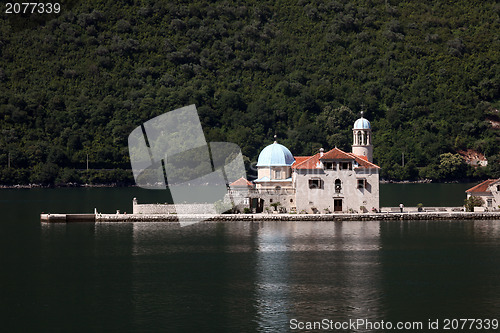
(114,218)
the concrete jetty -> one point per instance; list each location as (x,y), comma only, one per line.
(67,218)
(133,218)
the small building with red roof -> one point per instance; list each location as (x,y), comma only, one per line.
(489,191)
(242,183)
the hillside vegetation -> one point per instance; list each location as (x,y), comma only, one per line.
(76,83)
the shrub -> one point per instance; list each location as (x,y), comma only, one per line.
(472,202)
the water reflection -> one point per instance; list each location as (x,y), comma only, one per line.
(311,271)
(234,277)
(248,276)
(196,276)
(273,276)
(279,270)
(202,237)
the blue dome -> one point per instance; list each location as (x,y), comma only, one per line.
(362,123)
(275,155)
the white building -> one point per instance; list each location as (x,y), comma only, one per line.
(332,181)
(489,191)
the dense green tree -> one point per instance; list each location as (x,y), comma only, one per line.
(76,83)
(451,166)
(44,173)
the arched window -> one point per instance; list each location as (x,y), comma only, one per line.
(338,185)
(360,138)
(366,138)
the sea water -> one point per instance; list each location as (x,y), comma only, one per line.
(235,276)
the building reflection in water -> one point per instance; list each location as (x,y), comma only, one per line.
(248,277)
(315,270)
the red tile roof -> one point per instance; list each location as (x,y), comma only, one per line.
(364,163)
(241,182)
(334,154)
(310,163)
(483,187)
(300,159)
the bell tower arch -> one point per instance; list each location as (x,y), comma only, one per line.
(362,138)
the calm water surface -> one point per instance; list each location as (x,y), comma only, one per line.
(430,195)
(232,277)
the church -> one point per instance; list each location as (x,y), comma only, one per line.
(327,182)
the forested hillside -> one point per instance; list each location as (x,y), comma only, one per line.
(76,83)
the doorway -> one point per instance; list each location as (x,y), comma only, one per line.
(337,205)
(257,204)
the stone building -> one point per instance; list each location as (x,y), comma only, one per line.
(332,181)
(489,191)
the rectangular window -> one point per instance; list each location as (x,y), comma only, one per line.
(330,166)
(277,174)
(345,166)
(361,183)
(490,202)
(315,183)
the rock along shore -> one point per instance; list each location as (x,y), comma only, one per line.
(114,218)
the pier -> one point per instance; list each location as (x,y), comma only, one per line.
(67,218)
(135,218)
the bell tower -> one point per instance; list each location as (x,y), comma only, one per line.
(362,138)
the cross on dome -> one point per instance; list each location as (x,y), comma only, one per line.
(362,123)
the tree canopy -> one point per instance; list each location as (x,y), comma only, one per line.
(427,75)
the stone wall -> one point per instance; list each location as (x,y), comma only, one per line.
(446,216)
(153,209)
(425,209)
(286,201)
(148,209)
